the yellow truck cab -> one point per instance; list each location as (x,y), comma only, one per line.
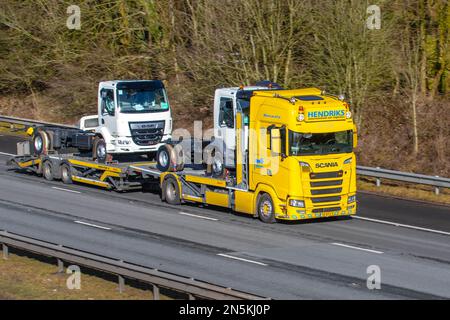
(293,160)
(303,157)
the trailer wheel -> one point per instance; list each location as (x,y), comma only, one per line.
(217,164)
(40,143)
(171,191)
(66,173)
(266,209)
(100,152)
(47,170)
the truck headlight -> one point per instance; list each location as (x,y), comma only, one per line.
(297,203)
(347,161)
(351,199)
(348,114)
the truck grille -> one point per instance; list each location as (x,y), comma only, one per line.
(147,133)
(326,191)
(320,210)
(326,199)
(326,175)
(316,184)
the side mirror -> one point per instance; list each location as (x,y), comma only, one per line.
(275,141)
(355,137)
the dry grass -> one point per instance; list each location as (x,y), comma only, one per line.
(25,278)
(404,190)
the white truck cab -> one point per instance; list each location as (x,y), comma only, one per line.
(134,116)
(226,102)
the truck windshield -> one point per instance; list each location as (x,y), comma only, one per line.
(320,143)
(142,100)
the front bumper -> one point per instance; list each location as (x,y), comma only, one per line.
(296,213)
(116,148)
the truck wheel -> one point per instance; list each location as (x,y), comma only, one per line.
(66,173)
(266,209)
(171,191)
(163,158)
(100,150)
(47,170)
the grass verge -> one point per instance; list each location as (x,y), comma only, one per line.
(29,277)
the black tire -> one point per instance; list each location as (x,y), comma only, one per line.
(163,158)
(47,170)
(266,209)
(99,153)
(66,173)
(171,191)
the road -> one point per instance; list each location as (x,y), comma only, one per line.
(308,260)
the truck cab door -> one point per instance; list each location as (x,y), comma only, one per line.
(226,125)
(107,110)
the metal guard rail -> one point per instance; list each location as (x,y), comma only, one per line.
(194,288)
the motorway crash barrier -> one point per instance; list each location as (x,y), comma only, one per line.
(193,288)
(378,173)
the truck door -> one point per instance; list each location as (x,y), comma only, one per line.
(226,125)
(107,110)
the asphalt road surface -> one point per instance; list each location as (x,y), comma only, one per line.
(324,259)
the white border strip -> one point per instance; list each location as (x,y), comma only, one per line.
(241,259)
(402,225)
(92,225)
(196,216)
(67,190)
(357,248)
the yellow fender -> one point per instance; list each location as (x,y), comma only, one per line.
(264,188)
(163,177)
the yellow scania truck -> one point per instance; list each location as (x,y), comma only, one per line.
(293,156)
(276,154)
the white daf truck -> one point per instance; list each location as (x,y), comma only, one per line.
(133,117)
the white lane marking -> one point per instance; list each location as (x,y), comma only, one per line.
(67,190)
(92,225)
(402,225)
(8,154)
(357,248)
(196,216)
(241,259)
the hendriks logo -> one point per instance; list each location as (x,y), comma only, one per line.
(326,114)
(326,165)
